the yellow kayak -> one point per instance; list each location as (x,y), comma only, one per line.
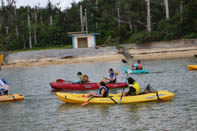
(192,67)
(1,59)
(79,98)
(11,97)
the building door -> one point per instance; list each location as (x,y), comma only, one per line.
(83,42)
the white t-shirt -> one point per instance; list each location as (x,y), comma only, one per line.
(2,84)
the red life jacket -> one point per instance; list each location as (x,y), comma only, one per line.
(139,67)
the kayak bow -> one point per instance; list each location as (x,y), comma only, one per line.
(130,71)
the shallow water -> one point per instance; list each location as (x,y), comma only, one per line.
(41,110)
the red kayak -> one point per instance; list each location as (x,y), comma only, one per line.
(88,86)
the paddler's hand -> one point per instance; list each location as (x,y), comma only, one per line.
(104,77)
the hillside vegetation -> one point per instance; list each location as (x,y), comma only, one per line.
(116,21)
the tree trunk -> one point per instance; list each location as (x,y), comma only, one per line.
(148,16)
(7,30)
(24,43)
(81,18)
(29,27)
(17,34)
(51,20)
(130,25)
(86,20)
(35,27)
(181,10)
(118,10)
(41,20)
(96,24)
(167,9)
(135,29)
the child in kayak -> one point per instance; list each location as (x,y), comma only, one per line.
(80,80)
(112,76)
(102,91)
(134,88)
(137,66)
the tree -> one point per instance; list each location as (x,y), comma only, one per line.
(29,28)
(148,16)
(167,9)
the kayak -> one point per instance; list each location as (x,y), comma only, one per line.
(11,97)
(115,98)
(88,86)
(192,67)
(130,71)
(1,59)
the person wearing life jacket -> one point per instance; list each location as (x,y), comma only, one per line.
(4,85)
(103,91)
(80,80)
(2,88)
(112,76)
(134,88)
(85,79)
(137,66)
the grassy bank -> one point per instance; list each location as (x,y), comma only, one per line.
(43,48)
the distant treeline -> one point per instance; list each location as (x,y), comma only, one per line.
(116,21)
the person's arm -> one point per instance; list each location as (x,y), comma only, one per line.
(112,78)
(2,85)
(77,81)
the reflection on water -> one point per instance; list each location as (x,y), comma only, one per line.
(41,110)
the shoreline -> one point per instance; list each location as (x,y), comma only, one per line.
(164,53)
(143,54)
(56,61)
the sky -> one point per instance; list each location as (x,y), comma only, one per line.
(42,3)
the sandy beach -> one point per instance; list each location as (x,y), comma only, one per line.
(172,53)
(51,61)
(161,50)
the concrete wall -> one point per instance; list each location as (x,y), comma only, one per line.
(30,56)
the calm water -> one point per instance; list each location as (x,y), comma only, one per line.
(41,110)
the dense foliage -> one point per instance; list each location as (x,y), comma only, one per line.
(102,18)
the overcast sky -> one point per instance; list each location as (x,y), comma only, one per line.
(43,3)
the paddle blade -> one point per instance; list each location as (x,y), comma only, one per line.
(124,61)
(121,96)
(85,103)
(120,101)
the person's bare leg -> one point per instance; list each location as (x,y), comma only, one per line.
(92,93)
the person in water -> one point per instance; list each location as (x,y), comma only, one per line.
(134,88)
(112,76)
(137,66)
(102,91)
(80,80)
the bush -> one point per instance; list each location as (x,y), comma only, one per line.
(140,37)
(190,36)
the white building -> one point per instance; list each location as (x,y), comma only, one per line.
(83,40)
